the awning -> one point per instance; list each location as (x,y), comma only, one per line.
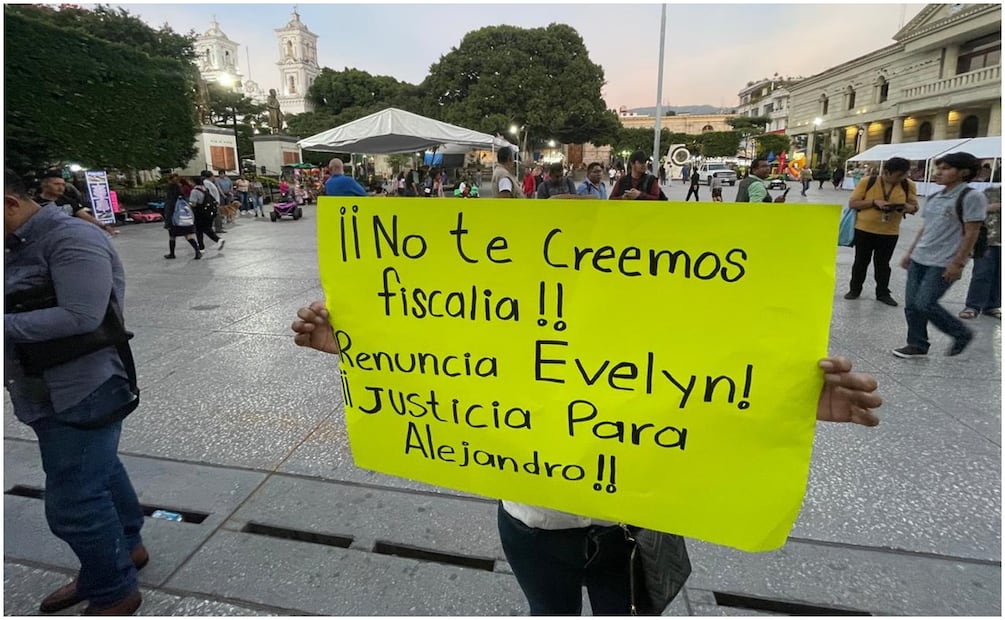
(397,131)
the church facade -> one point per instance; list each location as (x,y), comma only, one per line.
(217,59)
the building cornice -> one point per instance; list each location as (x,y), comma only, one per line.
(970,11)
(828,74)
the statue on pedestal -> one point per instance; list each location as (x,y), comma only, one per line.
(275,114)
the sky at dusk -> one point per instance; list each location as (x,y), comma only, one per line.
(712,50)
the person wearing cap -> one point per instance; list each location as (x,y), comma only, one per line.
(939,253)
(639,185)
(53,193)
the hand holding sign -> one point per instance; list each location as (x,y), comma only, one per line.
(554,356)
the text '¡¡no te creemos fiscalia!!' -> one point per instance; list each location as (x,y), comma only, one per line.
(387,241)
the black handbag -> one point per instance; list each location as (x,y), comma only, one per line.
(658,567)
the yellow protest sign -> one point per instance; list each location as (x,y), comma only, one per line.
(652,363)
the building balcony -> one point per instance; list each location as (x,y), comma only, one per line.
(988,76)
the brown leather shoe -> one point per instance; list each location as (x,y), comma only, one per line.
(66,596)
(125,607)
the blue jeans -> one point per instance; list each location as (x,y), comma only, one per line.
(985,290)
(245,203)
(925,287)
(90,504)
(552,566)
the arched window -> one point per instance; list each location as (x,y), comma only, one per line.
(925,132)
(883,89)
(706,128)
(851,97)
(293,85)
(824,102)
(969,127)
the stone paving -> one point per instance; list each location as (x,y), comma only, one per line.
(244,433)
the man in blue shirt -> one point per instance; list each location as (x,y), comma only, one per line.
(338,184)
(593,185)
(75,407)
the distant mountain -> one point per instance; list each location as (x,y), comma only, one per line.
(684,109)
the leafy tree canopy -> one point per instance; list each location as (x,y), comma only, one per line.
(720,143)
(769,142)
(76,96)
(539,78)
(748,125)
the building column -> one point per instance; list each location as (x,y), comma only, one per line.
(811,140)
(863,138)
(995,119)
(940,125)
(898,130)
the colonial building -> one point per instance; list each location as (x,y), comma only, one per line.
(940,79)
(767,98)
(680,123)
(298,65)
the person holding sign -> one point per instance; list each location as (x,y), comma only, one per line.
(554,554)
(639,185)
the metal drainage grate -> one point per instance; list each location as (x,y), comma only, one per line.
(417,553)
(188,516)
(724,599)
(272,531)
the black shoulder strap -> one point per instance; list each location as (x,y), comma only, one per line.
(872,181)
(906,186)
(959,203)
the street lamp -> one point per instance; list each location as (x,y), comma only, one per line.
(521,144)
(227,80)
(816,127)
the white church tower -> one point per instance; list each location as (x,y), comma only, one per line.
(216,56)
(298,65)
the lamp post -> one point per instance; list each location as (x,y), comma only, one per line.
(228,81)
(816,127)
(520,143)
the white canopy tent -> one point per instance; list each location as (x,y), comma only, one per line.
(397,131)
(982,148)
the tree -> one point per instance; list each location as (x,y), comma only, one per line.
(770,142)
(720,143)
(748,125)
(227,107)
(540,78)
(76,96)
(336,91)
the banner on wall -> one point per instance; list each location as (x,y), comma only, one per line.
(101,200)
(643,362)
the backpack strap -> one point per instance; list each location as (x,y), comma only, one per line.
(872,181)
(959,204)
